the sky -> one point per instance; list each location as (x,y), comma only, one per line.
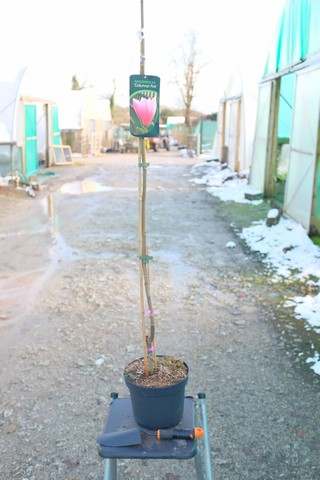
(287,250)
(99,42)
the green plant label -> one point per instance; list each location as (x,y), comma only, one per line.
(144,105)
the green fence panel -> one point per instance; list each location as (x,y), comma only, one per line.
(31,157)
(56,135)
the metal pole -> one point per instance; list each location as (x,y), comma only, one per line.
(208,464)
(110,469)
(198,465)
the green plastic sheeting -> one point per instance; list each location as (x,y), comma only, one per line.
(31,139)
(297,35)
(286,106)
(206,129)
(55,126)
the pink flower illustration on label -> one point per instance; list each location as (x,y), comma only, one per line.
(145,109)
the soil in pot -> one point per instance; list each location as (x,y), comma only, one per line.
(158,400)
(169,371)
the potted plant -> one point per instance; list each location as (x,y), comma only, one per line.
(156,382)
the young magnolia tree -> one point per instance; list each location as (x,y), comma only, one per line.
(144,117)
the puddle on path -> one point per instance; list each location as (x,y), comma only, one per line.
(20,286)
(88,185)
(59,248)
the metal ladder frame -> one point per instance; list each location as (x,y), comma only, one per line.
(206,473)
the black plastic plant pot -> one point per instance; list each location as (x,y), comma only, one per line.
(157,407)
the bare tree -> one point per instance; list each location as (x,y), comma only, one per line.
(112,99)
(111,96)
(75,85)
(188,67)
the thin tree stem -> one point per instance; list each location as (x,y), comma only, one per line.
(148,339)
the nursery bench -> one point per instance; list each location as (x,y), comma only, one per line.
(121,424)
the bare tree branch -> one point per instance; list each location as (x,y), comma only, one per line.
(188,68)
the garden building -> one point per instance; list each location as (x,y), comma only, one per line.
(29,127)
(235,122)
(285,160)
(85,121)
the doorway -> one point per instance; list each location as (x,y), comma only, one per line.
(286,100)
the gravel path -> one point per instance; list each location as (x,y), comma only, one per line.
(69,309)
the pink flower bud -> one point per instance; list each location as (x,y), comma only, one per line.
(145,109)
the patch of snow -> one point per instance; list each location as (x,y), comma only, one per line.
(273,213)
(286,247)
(316,363)
(230,244)
(307,307)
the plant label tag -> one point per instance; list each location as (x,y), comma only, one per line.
(144,105)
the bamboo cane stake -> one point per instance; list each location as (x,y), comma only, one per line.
(142,303)
(148,340)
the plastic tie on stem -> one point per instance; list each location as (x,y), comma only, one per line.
(140,34)
(143,164)
(151,349)
(145,258)
(151,313)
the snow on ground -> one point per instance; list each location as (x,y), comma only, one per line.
(286,247)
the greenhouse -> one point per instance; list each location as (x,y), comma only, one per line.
(285,159)
(236,120)
(29,129)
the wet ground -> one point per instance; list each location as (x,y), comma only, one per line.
(69,323)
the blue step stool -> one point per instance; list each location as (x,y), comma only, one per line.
(120,418)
